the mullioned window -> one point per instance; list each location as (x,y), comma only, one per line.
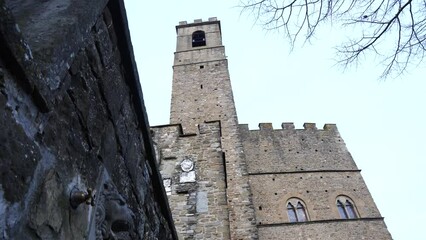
(296,210)
(346,208)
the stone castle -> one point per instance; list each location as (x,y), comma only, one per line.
(78,159)
(225,181)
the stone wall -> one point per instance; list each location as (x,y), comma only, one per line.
(314,166)
(201,92)
(72,118)
(289,149)
(318,190)
(192,167)
(349,230)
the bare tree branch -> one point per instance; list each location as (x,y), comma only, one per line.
(402,22)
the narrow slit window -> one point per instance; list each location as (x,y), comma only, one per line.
(350,209)
(291,213)
(301,215)
(341,209)
(198,39)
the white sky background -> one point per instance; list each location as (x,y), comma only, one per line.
(382,122)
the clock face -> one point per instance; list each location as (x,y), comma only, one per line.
(187,165)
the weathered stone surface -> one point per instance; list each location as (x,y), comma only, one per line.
(314,166)
(71,120)
(202,92)
(16,167)
(46,214)
(318,190)
(287,150)
(54,31)
(350,230)
(199,207)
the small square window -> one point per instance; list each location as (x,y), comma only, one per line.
(202,66)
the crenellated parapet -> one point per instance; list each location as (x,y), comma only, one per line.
(290,126)
(288,149)
(211,19)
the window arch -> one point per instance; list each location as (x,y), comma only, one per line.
(296,210)
(346,208)
(198,39)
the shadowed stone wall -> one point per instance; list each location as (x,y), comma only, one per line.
(72,118)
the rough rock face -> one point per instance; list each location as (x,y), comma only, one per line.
(72,118)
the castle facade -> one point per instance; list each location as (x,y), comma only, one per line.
(224,181)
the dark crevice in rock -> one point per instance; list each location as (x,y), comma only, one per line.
(98,48)
(80,120)
(109,116)
(94,61)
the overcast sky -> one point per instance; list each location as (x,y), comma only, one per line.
(382,122)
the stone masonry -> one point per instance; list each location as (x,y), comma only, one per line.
(194,177)
(225,181)
(312,165)
(202,92)
(76,159)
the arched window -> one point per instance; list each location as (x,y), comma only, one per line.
(346,208)
(296,210)
(198,39)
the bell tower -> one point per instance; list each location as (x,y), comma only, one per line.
(201,85)
(202,92)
